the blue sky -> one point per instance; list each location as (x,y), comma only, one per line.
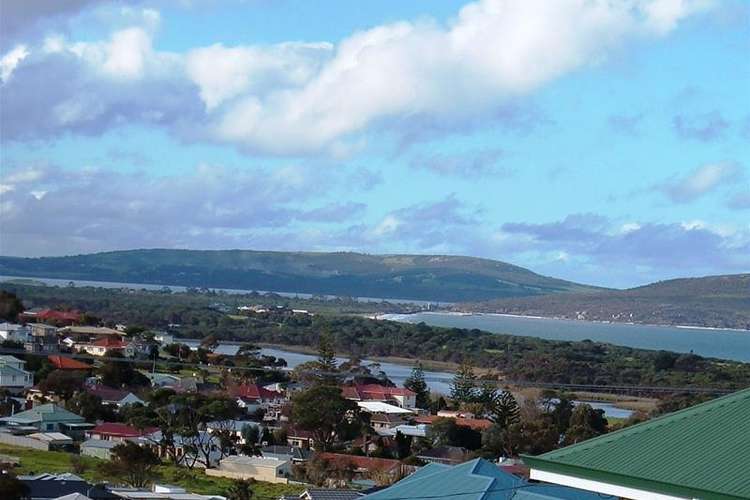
(602,142)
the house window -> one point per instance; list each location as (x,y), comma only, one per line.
(50,427)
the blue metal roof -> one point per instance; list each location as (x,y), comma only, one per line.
(474,480)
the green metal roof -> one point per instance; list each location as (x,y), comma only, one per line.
(699,452)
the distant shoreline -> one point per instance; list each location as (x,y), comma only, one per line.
(559,318)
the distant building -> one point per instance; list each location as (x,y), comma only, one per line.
(447,455)
(114,397)
(108,345)
(117,432)
(48,418)
(271,470)
(398,396)
(13,377)
(67,363)
(56,486)
(43,338)
(14,333)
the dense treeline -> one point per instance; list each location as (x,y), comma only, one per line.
(515,358)
(143,306)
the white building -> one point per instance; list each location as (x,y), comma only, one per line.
(14,333)
(12,374)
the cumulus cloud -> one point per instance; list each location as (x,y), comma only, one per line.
(651,250)
(703,127)
(96,209)
(295,98)
(700,181)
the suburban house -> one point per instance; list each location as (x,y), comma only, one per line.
(299,438)
(365,467)
(66,363)
(55,486)
(43,338)
(114,397)
(398,396)
(185,446)
(83,334)
(253,397)
(98,448)
(232,427)
(447,455)
(13,377)
(325,494)
(699,452)
(384,415)
(476,479)
(169,381)
(48,418)
(108,345)
(117,432)
(294,454)
(477,424)
(14,333)
(56,317)
(271,470)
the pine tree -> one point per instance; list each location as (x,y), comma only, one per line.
(326,355)
(416,383)
(504,409)
(463,387)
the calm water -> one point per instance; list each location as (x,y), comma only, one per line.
(726,344)
(438,382)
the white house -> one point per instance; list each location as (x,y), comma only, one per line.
(271,470)
(14,333)
(12,374)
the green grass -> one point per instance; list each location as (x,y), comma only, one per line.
(195,481)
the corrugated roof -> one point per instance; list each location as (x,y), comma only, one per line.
(477,479)
(702,451)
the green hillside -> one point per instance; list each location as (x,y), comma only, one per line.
(711,301)
(417,277)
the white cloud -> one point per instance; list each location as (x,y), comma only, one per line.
(10,60)
(296,98)
(700,181)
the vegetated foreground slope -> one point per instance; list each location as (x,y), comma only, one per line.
(419,277)
(712,301)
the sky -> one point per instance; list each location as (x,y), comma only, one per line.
(605,142)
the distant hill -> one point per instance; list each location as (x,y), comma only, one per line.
(417,277)
(712,301)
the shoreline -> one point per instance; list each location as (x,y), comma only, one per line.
(381,316)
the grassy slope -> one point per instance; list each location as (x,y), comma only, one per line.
(711,301)
(426,277)
(195,481)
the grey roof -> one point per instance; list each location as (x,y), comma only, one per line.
(106,444)
(43,413)
(330,494)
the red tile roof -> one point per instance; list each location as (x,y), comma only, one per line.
(64,363)
(478,424)
(110,343)
(115,429)
(374,392)
(254,391)
(48,314)
(367,463)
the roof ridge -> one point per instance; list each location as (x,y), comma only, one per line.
(654,422)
